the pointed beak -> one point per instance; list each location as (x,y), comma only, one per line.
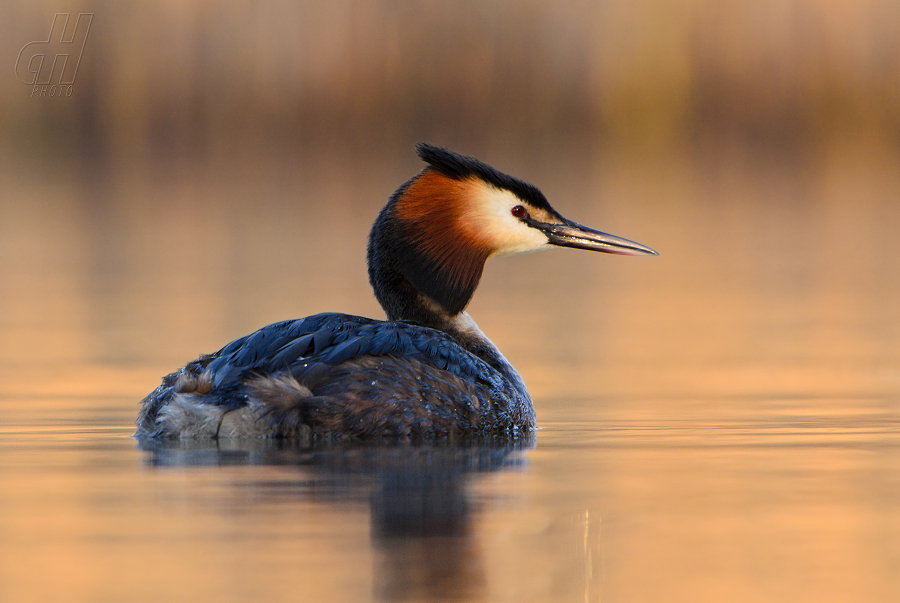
(570,234)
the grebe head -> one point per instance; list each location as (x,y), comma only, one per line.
(438,229)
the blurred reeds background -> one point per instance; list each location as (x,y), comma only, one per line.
(195,78)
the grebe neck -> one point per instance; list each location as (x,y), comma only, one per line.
(412,283)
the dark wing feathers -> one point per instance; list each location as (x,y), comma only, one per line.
(345,351)
(292,351)
(309,348)
(322,339)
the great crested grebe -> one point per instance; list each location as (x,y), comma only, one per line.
(427,371)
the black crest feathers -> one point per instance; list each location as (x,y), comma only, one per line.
(460,167)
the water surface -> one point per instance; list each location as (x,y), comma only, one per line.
(718,423)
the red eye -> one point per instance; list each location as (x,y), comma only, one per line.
(518,211)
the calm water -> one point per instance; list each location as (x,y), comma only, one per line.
(721,423)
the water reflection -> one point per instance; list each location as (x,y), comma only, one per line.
(420,505)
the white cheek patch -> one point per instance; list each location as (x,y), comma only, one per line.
(490,218)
